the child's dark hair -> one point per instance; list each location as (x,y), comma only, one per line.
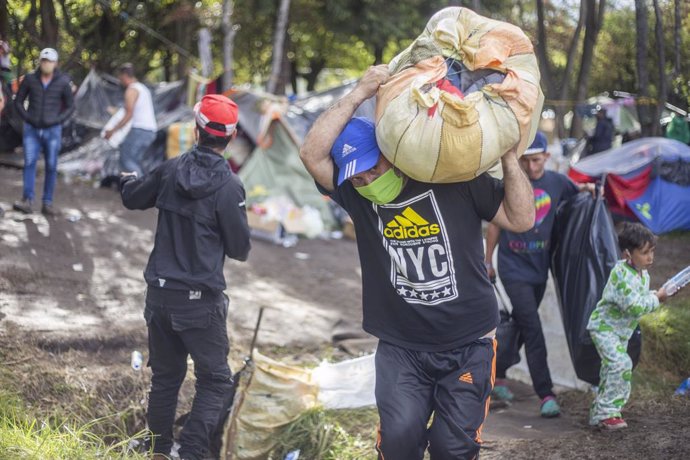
(634,236)
(209,140)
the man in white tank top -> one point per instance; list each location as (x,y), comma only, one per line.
(139,111)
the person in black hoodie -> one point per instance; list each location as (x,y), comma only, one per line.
(51,103)
(201,219)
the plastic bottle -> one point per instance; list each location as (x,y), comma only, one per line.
(681,279)
(137,360)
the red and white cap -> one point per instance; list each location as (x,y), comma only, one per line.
(218,110)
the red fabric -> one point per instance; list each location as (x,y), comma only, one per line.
(620,190)
(447,86)
(579,177)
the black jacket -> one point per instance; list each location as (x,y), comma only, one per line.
(47,106)
(201,219)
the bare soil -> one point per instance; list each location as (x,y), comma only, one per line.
(71,302)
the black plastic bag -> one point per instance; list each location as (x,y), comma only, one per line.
(584,250)
(508,337)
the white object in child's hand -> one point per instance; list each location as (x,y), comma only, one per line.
(680,280)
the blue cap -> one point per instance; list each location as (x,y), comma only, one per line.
(539,145)
(355,150)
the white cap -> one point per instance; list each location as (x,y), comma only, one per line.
(49,54)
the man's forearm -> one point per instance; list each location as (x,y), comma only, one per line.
(519,197)
(327,127)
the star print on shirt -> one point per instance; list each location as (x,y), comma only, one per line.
(402,291)
(446,291)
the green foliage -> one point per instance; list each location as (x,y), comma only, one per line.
(666,336)
(330,435)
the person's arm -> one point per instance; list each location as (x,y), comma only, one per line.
(493,234)
(232,220)
(68,101)
(315,151)
(628,294)
(131,96)
(140,193)
(516,212)
(22,94)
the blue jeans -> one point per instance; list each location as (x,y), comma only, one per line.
(49,140)
(132,149)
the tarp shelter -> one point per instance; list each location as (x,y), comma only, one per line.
(94,99)
(278,128)
(647,179)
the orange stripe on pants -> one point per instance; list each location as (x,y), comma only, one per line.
(488,400)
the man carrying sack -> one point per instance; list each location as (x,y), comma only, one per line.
(426,293)
(201,219)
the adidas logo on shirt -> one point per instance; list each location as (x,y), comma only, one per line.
(408,224)
(348,149)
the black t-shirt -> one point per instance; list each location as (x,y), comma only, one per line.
(524,257)
(424,283)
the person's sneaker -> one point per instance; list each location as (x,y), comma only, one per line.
(502,392)
(25,206)
(612,424)
(48,210)
(550,407)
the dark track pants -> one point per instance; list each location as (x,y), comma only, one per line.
(455,385)
(179,327)
(525,299)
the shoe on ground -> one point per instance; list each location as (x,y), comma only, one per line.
(550,407)
(501,392)
(48,210)
(25,206)
(612,424)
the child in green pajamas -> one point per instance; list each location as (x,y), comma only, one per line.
(625,299)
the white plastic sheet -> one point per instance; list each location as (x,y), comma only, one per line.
(346,385)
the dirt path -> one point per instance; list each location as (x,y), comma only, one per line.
(78,283)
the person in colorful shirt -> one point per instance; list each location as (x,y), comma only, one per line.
(523,263)
(626,298)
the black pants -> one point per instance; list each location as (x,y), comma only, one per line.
(455,385)
(525,299)
(179,327)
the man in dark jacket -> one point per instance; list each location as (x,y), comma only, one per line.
(201,219)
(50,104)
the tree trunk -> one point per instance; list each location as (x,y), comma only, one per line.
(277,61)
(661,67)
(593,21)
(228,44)
(4,21)
(676,38)
(477,6)
(205,55)
(642,41)
(49,24)
(559,92)
(378,54)
(315,68)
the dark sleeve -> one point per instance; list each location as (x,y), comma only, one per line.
(337,193)
(231,212)
(19,101)
(486,194)
(68,101)
(141,193)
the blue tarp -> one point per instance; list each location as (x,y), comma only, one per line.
(663,207)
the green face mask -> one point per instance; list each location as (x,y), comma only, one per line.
(384,189)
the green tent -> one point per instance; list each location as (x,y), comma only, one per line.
(274,169)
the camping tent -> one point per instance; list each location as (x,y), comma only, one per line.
(647,179)
(277,128)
